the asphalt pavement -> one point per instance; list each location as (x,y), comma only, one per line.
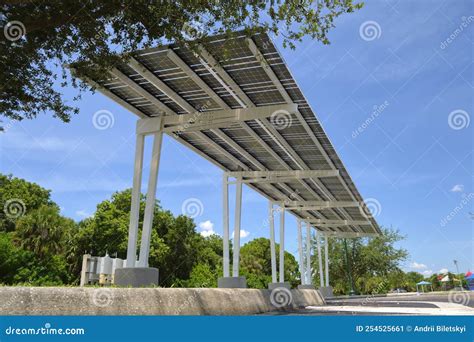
(449,303)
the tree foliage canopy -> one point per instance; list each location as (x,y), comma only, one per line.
(41,36)
(18,197)
(255,263)
(42,247)
(374,264)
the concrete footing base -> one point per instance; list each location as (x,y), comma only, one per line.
(306,287)
(326,291)
(136,276)
(272,286)
(111,301)
(232,283)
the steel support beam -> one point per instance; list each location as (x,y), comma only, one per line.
(113,97)
(349,235)
(320,260)
(160,85)
(150,201)
(309,279)
(326,254)
(195,77)
(141,91)
(271,221)
(239,95)
(227,82)
(135,206)
(238,216)
(282,245)
(225,225)
(219,119)
(190,73)
(276,176)
(300,254)
(319,205)
(174,118)
(269,71)
(336,223)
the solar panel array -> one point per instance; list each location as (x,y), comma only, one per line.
(252,65)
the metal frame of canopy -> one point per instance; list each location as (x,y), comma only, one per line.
(229,109)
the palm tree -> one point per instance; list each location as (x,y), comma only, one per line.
(43,231)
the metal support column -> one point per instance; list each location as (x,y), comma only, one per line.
(308,254)
(272,241)
(150,200)
(282,244)
(225,224)
(135,206)
(326,254)
(300,254)
(238,210)
(320,259)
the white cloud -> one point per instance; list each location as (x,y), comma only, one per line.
(427,273)
(207,233)
(207,228)
(243,233)
(417,266)
(83,214)
(443,271)
(457,188)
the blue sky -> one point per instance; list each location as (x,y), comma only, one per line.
(394,92)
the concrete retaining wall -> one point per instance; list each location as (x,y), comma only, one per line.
(148,301)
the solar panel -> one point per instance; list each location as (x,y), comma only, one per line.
(250,72)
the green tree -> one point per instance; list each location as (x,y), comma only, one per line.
(39,35)
(34,237)
(202,275)
(43,232)
(175,246)
(433,279)
(412,279)
(12,258)
(255,264)
(17,198)
(209,251)
(373,262)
